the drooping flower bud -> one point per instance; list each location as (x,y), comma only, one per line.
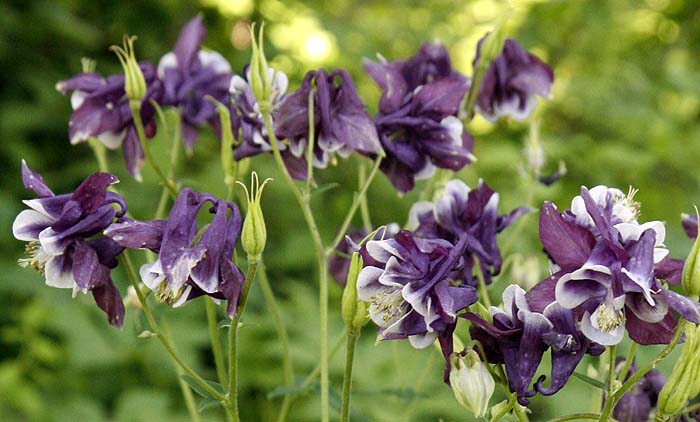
(471,382)
(254,234)
(691,271)
(134,81)
(354,311)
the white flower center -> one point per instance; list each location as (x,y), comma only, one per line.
(36,257)
(388,305)
(607,319)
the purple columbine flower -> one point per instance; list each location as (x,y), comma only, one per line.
(101,110)
(190,264)
(636,404)
(248,122)
(412,287)
(341,123)
(609,269)
(690,225)
(511,82)
(462,210)
(519,335)
(417,120)
(65,245)
(339,264)
(189,74)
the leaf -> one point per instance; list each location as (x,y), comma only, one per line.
(286,391)
(324,188)
(207,404)
(591,381)
(198,388)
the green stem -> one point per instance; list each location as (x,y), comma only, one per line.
(611,370)
(174,155)
(131,273)
(186,390)
(576,417)
(100,152)
(310,146)
(304,203)
(347,377)
(632,381)
(355,203)
(364,207)
(135,107)
(215,342)
(481,284)
(233,339)
(628,361)
(274,309)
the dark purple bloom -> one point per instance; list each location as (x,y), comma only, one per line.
(520,334)
(509,85)
(690,225)
(474,212)
(410,286)
(189,74)
(609,268)
(101,110)
(417,122)
(339,265)
(189,264)
(636,404)
(65,245)
(341,123)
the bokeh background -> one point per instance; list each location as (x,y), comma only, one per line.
(625,111)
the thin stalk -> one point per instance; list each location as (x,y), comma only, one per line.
(304,203)
(215,342)
(632,381)
(274,309)
(355,203)
(628,361)
(186,390)
(135,107)
(481,284)
(233,340)
(576,417)
(131,273)
(100,154)
(310,147)
(364,207)
(611,370)
(174,156)
(347,377)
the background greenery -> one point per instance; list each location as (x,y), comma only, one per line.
(624,111)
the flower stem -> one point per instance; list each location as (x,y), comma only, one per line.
(577,417)
(611,371)
(135,107)
(481,284)
(310,147)
(215,343)
(233,339)
(632,381)
(165,341)
(186,391)
(628,361)
(100,154)
(174,154)
(364,208)
(347,378)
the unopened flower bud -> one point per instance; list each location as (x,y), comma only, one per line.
(134,82)
(259,81)
(691,271)
(471,382)
(354,311)
(254,234)
(674,396)
(227,139)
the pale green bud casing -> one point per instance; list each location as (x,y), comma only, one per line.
(354,311)
(259,82)
(677,389)
(691,270)
(227,140)
(254,233)
(471,382)
(134,82)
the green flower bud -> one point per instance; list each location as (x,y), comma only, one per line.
(691,271)
(354,311)
(677,389)
(227,139)
(471,382)
(254,234)
(259,81)
(134,82)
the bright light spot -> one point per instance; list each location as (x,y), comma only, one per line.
(318,47)
(231,8)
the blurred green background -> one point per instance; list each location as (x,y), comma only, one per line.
(625,111)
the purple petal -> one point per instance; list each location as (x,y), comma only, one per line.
(206,273)
(108,299)
(686,307)
(567,244)
(646,333)
(35,182)
(135,234)
(390,81)
(670,270)
(93,191)
(690,225)
(87,270)
(189,42)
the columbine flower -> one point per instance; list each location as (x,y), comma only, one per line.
(636,404)
(461,210)
(471,382)
(509,86)
(609,268)
(339,263)
(341,123)
(417,122)
(520,334)
(410,285)
(248,122)
(101,110)
(64,246)
(190,264)
(189,74)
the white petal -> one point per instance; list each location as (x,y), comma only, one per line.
(25,220)
(55,276)
(112,140)
(216,60)
(419,208)
(168,61)
(152,274)
(421,341)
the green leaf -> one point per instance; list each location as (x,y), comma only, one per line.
(207,404)
(324,188)
(591,381)
(285,391)
(198,388)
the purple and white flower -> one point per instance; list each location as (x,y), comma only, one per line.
(463,210)
(417,120)
(189,74)
(64,243)
(411,287)
(510,84)
(190,264)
